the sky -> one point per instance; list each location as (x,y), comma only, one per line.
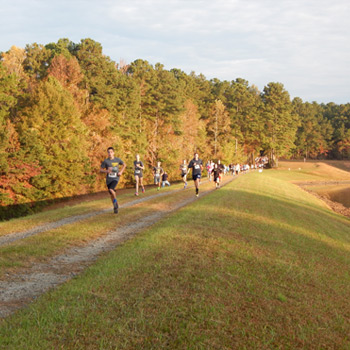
(303,44)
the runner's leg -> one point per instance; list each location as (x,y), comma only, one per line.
(196,184)
(114,199)
(141,183)
(137,184)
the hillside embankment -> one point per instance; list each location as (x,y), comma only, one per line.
(257,264)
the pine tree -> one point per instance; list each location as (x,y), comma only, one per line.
(218,128)
(280,122)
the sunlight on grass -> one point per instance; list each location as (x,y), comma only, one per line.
(258,264)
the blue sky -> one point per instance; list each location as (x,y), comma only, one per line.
(304,44)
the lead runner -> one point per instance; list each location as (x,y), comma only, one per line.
(196,165)
(110,166)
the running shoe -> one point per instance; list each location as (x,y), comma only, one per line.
(143,190)
(136,194)
(116,206)
(158,188)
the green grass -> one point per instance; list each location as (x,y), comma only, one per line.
(40,247)
(30,221)
(258,264)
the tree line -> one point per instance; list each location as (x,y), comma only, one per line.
(62,104)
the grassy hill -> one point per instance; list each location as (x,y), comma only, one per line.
(258,264)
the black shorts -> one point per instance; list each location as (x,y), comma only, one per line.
(139,175)
(196,177)
(183,174)
(112,185)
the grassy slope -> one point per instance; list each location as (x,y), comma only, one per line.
(37,248)
(259,264)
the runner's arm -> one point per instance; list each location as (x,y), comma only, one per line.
(189,166)
(106,171)
(104,168)
(122,170)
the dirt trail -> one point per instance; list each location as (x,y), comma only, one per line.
(15,236)
(20,289)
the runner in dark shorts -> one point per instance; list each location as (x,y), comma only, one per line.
(221,167)
(138,174)
(110,166)
(196,165)
(216,173)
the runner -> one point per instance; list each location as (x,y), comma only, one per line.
(183,168)
(110,166)
(221,168)
(138,168)
(216,173)
(197,166)
(238,168)
(157,173)
(210,166)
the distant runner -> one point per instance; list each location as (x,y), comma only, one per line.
(184,170)
(221,167)
(157,173)
(196,165)
(110,166)
(216,173)
(138,168)
(210,166)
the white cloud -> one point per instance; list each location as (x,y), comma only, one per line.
(303,44)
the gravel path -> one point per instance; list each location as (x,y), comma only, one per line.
(15,236)
(20,289)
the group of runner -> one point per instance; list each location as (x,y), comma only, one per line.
(114,168)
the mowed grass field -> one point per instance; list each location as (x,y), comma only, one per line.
(258,264)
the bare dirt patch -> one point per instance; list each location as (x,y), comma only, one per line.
(335,206)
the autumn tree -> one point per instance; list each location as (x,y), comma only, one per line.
(16,172)
(51,132)
(13,60)
(218,128)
